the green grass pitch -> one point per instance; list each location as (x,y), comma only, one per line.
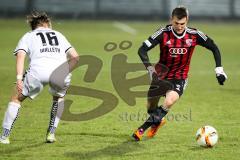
(108,137)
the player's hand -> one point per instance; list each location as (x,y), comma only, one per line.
(221,75)
(152,73)
(19,86)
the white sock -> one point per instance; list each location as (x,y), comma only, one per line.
(10,117)
(56,113)
(59,112)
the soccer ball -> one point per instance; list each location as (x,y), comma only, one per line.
(207,136)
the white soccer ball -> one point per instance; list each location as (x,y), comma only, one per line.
(207,136)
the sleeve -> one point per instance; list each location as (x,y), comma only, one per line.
(65,43)
(22,45)
(208,43)
(153,40)
(148,44)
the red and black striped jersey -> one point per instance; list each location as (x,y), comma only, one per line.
(176,50)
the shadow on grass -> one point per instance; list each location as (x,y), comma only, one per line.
(118,150)
(233,91)
(199,148)
(11,149)
(111,135)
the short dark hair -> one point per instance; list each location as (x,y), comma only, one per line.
(180,12)
(36,18)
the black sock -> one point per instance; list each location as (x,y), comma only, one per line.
(161,112)
(146,124)
(155,118)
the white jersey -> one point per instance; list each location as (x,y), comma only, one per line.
(46,49)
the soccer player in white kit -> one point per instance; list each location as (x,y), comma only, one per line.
(47,50)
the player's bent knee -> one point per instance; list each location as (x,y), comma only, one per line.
(169,102)
(15,100)
(55,98)
(171,98)
(61,99)
(18,98)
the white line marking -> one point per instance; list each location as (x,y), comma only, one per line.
(124,27)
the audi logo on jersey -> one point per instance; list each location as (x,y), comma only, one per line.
(175,51)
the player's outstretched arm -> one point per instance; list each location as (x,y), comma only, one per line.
(220,74)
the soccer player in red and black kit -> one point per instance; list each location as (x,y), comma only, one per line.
(177,43)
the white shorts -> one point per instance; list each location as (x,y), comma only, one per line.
(33,86)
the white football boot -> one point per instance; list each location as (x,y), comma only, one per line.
(50,138)
(4,140)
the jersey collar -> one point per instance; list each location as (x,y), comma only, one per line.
(42,28)
(181,36)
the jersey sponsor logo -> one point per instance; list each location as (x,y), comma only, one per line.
(176,51)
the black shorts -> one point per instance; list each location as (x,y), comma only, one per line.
(160,89)
(179,85)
